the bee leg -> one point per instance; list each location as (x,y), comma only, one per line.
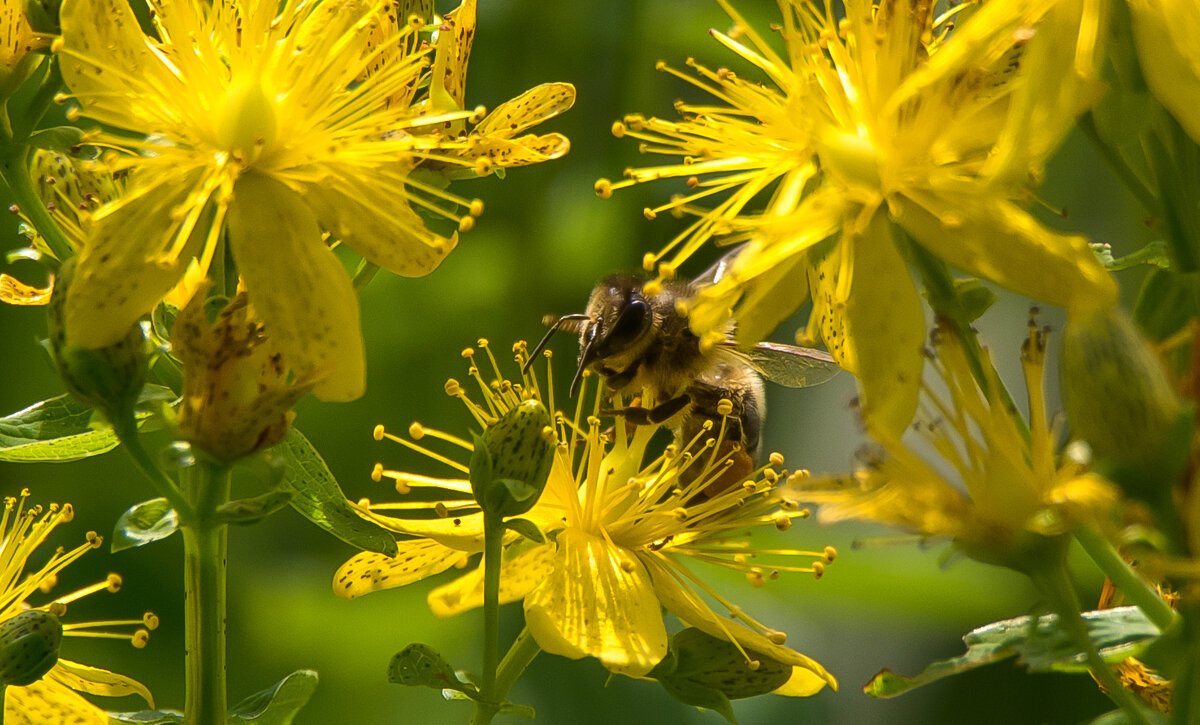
(655,415)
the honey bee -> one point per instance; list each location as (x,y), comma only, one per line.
(639,341)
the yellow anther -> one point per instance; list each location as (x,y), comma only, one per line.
(755,578)
(114,583)
(652,288)
(378,432)
(777,637)
(776,459)
(150,619)
(830,554)
(476,207)
(754,665)
(416,431)
(818,570)
(649,213)
(782,521)
(466,224)
(452,387)
(140,638)
(725,407)
(603,187)
(680,514)
(467,353)
(377,473)
(94,539)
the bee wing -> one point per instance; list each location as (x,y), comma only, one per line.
(791,366)
(717,271)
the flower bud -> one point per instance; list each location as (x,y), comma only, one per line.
(512,460)
(29,645)
(109,379)
(706,671)
(1119,400)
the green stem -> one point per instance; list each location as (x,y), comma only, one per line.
(15,171)
(519,656)
(1127,176)
(125,428)
(1135,588)
(205,551)
(1055,584)
(493,546)
(364,274)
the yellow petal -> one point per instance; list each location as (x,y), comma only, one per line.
(121,273)
(103,52)
(47,701)
(534,106)
(360,207)
(1165,32)
(300,289)
(871,319)
(518,576)
(368,571)
(692,610)
(97,681)
(523,151)
(598,602)
(454,51)
(464,533)
(997,240)
(15,292)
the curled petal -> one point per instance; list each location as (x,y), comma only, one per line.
(416,559)
(534,106)
(98,681)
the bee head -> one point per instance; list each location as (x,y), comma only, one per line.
(618,317)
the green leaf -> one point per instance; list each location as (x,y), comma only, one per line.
(147,717)
(62,429)
(698,695)
(279,704)
(59,138)
(1120,717)
(144,523)
(419,665)
(526,528)
(251,510)
(1038,643)
(59,429)
(319,499)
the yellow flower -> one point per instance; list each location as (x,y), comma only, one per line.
(618,532)
(885,123)
(998,485)
(19,37)
(53,697)
(1165,32)
(263,125)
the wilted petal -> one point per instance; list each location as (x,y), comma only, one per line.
(871,319)
(416,559)
(518,576)
(300,289)
(598,602)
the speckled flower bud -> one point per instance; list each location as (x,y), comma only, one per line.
(29,645)
(512,460)
(1119,400)
(110,378)
(705,671)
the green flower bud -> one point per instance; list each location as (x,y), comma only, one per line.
(29,645)
(1120,401)
(109,379)
(705,671)
(512,460)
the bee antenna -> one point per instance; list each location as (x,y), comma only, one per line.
(555,326)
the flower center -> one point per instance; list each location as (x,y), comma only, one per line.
(247,121)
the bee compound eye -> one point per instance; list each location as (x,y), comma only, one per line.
(632,320)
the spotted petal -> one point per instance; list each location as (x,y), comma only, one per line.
(871,319)
(118,278)
(598,602)
(98,681)
(365,212)
(518,576)
(300,289)
(534,106)
(47,701)
(416,559)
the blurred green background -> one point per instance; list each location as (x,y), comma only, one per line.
(541,244)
